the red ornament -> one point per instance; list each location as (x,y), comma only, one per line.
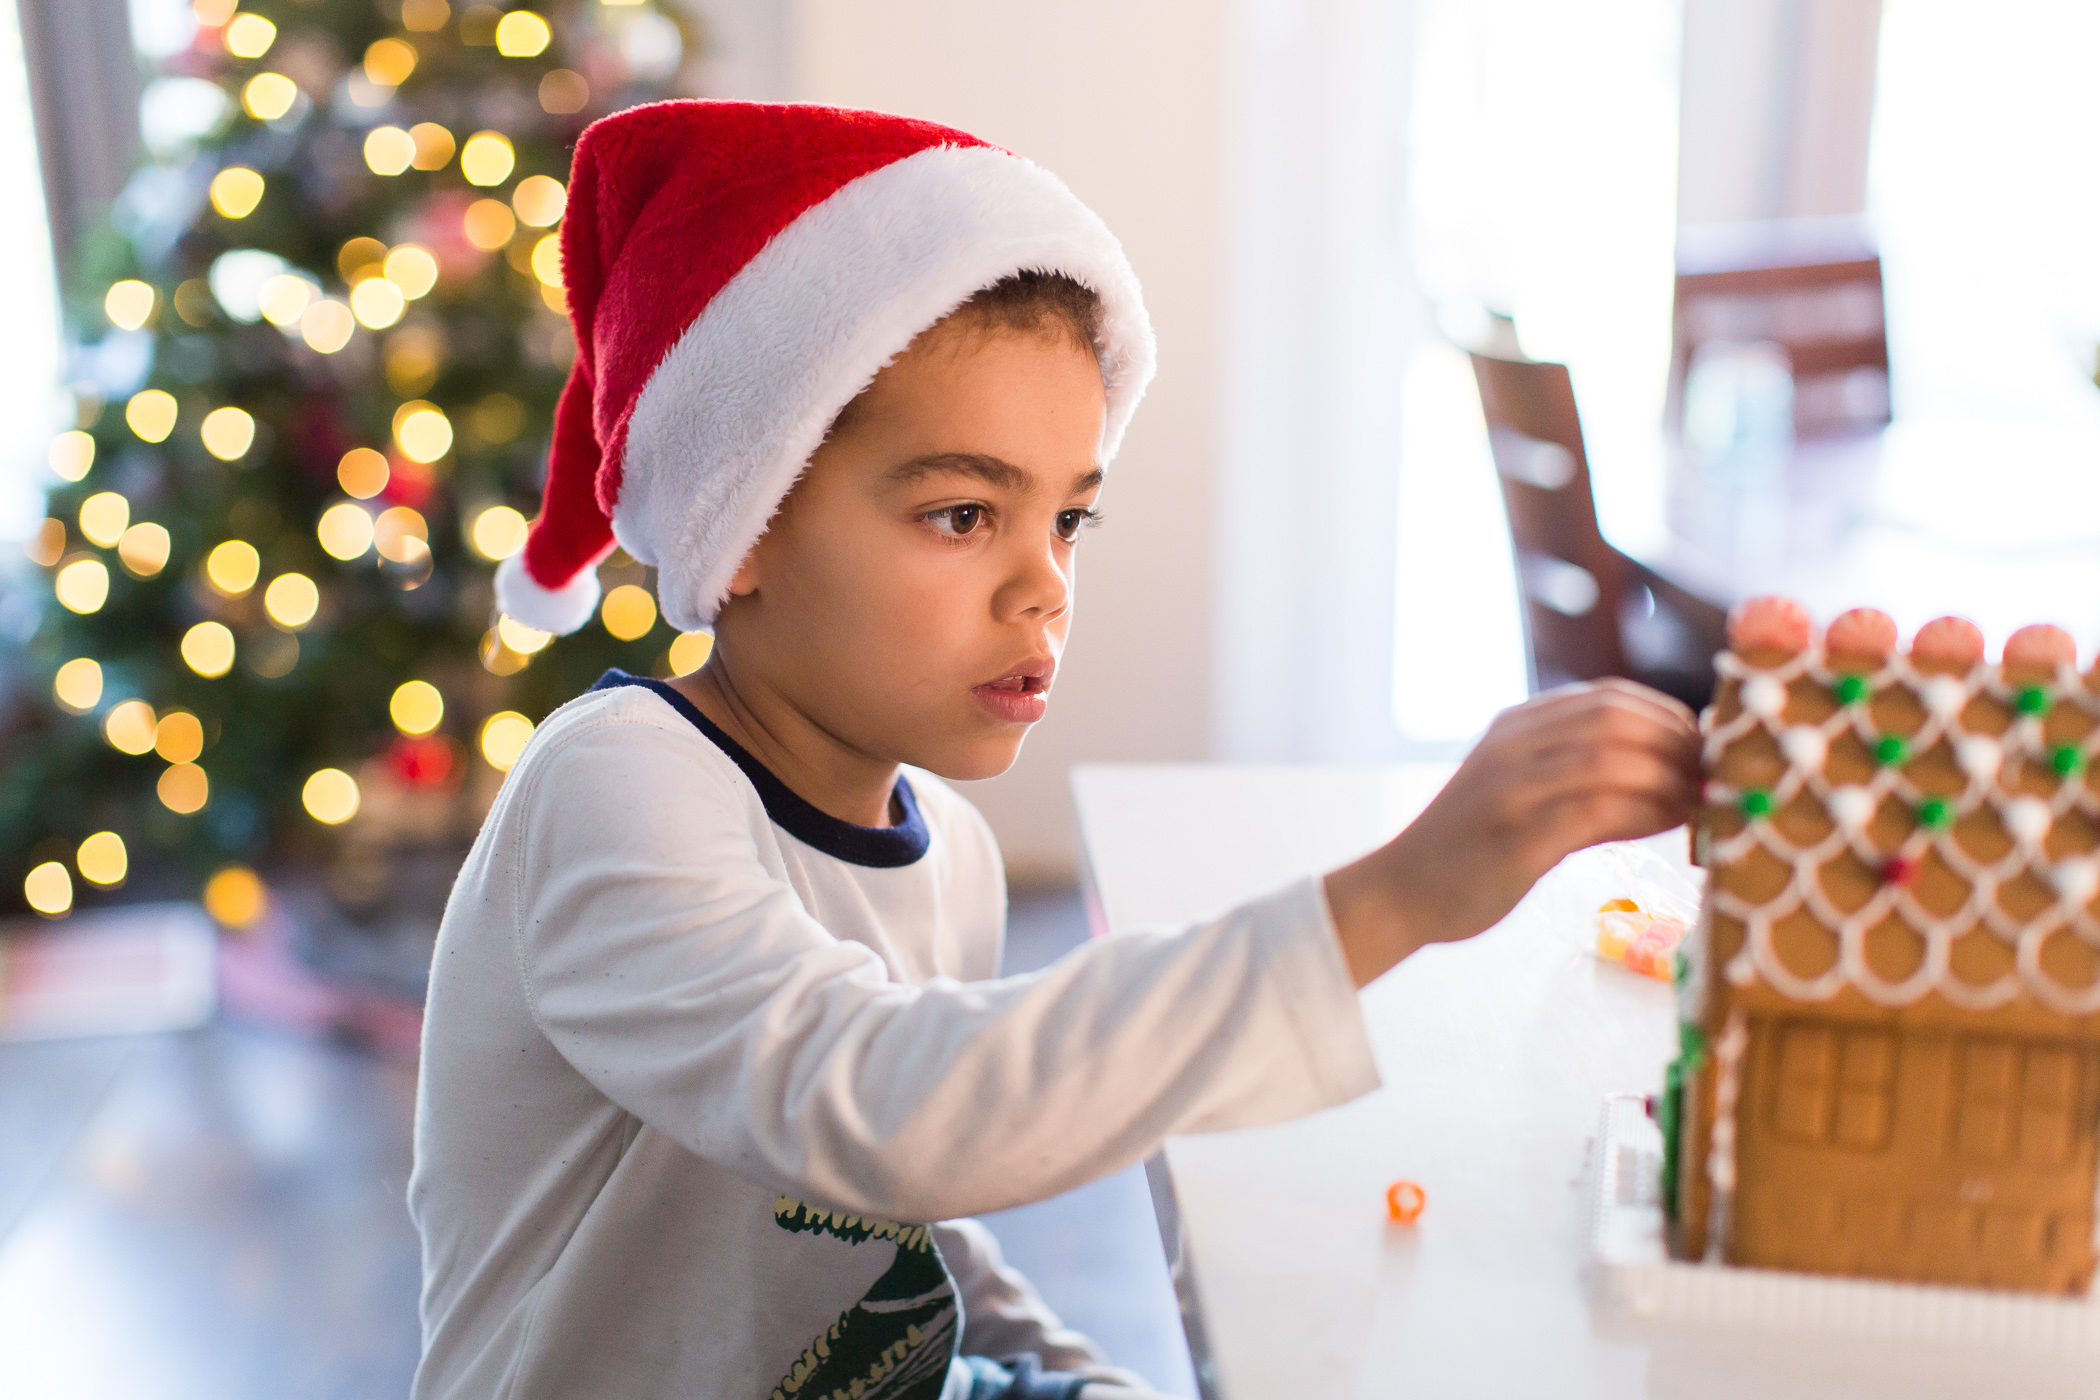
(1900,870)
(424,762)
(408,482)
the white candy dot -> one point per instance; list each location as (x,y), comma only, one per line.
(2077,880)
(1979,756)
(1804,747)
(2028,819)
(1852,807)
(1764,697)
(1945,697)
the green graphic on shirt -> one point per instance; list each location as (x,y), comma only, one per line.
(897,1341)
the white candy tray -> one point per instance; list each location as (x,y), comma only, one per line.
(1633,1281)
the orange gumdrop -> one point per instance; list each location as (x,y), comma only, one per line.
(1861,632)
(1404,1202)
(1948,642)
(1769,623)
(2041,645)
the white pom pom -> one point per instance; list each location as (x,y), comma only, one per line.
(1945,697)
(2029,820)
(1852,808)
(1764,697)
(2077,880)
(1804,747)
(1980,756)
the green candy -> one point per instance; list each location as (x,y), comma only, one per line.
(2067,761)
(1934,813)
(1756,803)
(1890,750)
(2032,700)
(1850,690)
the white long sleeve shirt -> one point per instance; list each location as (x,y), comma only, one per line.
(703,1067)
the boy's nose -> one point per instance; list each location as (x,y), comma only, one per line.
(1040,585)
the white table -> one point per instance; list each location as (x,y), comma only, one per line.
(1496,1054)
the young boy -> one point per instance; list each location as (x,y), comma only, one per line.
(717,1054)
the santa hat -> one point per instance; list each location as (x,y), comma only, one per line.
(736,274)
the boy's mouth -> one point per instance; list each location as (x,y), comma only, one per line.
(1021,695)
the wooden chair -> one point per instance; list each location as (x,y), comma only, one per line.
(1588,610)
(1812,287)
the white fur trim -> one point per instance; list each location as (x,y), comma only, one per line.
(560,610)
(732,415)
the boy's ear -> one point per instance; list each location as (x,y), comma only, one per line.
(744,581)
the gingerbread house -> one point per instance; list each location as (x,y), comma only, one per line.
(1891,1058)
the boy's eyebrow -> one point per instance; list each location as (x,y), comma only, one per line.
(993,471)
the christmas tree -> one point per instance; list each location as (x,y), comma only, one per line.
(320,344)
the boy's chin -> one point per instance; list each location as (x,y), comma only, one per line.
(974,761)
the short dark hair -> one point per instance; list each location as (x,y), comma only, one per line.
(1026,301)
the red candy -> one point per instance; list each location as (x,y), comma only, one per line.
(2040,645)
(1900,870)
(1861,632)
(1951,641)
(1404,1202)
(1776,624)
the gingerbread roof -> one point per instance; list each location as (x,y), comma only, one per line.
(1894,831)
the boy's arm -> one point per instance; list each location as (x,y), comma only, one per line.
(1003,1315)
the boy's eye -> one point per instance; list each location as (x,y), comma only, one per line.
(957,520)
(1071,522)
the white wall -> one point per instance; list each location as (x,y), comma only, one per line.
(1778,98)
(1120,98)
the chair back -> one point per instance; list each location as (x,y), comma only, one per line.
(1569,579)
(1812,287)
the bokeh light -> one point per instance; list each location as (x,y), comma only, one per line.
(129,727)
(250,36)
(103,517)
(522,34)
(235,191)
(503,738)
(228,433)
(235,896)
(496,417)
(72,454)
(48,889)
(268,96)
(360,258)
(213,14)
(330,796)
(128,304)
(539,200)
(401,534)
(412,269)
(151,414)
(291,600)
(183,788)
(546,260)
(434,145)
(388,62)
(83,585)
(377,302)
(520,638)
(628,612)
(689,652)
(487,158)
(422,431)
(284,299)
(488,224)
(207,649)
(178,737)
(345,530)
(364,474)
(46,544)
(102,859)
(563,91)
(424,16)
(232,568)
(327,325)
(416,707)
(498,532)
(389,150)
(144,549)
(78,684)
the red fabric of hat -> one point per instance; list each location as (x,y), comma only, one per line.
(736,273)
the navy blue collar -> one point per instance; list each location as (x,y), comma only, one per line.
(880,846)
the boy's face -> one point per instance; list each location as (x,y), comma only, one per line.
(911,598)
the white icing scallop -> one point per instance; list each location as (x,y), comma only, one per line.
(2028,819)
(1945,697)
(2077,880)
(1764,697)
(1852,807)
(1980,756)
(1804,747)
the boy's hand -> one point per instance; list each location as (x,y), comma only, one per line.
(1605,761)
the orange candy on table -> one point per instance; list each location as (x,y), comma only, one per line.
(1862,632)
(1404,1202)
(2040,645)
(1947,644)
(1773,624)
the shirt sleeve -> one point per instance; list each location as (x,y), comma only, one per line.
(689,985)
(1003,1315)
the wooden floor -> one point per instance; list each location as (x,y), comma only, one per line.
(219,1216)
